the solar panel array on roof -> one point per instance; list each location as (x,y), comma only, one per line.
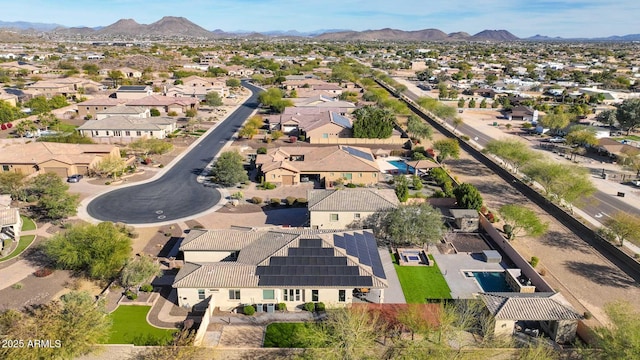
(341,120)
(310,264)
(132,88)
(358,153)
(363,246)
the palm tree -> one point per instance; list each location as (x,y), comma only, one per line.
(26,126)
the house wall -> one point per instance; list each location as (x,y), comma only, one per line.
(125,137)
(275,176)
(332,131)
(26,169)
(205,256)
(132,95)
(187,297)
(563,331)
(504,327)
(366,178)
(92,110)
(322,219)
(394,140)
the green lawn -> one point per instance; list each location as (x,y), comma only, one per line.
(27,224)
(24,242)
(130,326)
(283,335)
(422,282)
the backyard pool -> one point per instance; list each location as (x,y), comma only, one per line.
(492,281)
(401,166)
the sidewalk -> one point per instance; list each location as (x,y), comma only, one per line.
(19,270)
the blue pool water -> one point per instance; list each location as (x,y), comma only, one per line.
(401,166)
(492,281)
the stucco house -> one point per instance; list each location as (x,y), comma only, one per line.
(125,129)
(337,209)
(523,113)
(327,165)
(57,158)
(235,267)
(531,313)
(131,92)
(320,125)
(10,226)
(89,109)
(166,104)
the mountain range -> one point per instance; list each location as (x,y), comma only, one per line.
(179,27)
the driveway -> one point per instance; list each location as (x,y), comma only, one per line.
(176,194)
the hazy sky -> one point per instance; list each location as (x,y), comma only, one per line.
(524,18)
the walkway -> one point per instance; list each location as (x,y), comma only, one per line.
(20,269)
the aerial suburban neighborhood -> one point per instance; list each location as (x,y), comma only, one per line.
(172,192)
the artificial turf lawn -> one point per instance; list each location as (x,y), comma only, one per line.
(27,224)
(420,283)
(24,242)
(130,326)
(284,335)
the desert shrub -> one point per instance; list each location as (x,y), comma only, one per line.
(438,194)
(302,137)
(301,201)
(309,306)
(249,310)
(261,150)
(351,185)
(146,288)
(534,261)
(508,230)
(256,200)
(172,113)
(587,315)
(268,186)
(131,295)
(282,306)
(237,195)
(290,200)
(320,306)
(275,201)
(465,137)
(542,272)
(17,286)
(491,217)
(43,272)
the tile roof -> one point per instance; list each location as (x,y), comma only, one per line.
(39,152)
(369,200)
(159,100)
(275,257)
(118,122)
(102,102)
(534,307)
(327,158)
(9,216)
(120,109)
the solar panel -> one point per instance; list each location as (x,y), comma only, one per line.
(359,153)
(339,241)
(341,120)
(352,247)
(310,243)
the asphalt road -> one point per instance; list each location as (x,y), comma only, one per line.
(600,205)
(176,194)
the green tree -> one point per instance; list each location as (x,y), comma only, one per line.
(99,251)
(76,321)
(447,148)
(346,334)
(619,340)
(461,102)
(483,104)
(513,152)
(233,83)
(38,105)
(581,135)
(566,183)
(472,103)
(457,121)
(401,186)
(468,196)
(8,112)
(228,169)
(373,123)
(555,121)
(216,71)
(191,113)
(139,270)
(115,76)
(520,218)
(625,225)
(58,101)
(213,99)
(412,224)
(147,147)
(110,166)
(154,112)
(628,114)
(418,127)
(54,202)
(91,69)
(607,117)
(13,183)
(48,120)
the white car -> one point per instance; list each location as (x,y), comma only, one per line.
(635,183)
(556,140)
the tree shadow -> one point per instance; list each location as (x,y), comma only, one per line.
(469,167)
(601,274)
(565,241)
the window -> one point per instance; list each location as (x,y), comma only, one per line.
(268,294)
(347,176)
(360,175)
(201,294)
(138,133)
(234,294)
(5,167)
(333,217)
(325,136)
(314,295)
(117,133)
(127,133)
(342,295)
(292,295)
(96,133)
(356,216)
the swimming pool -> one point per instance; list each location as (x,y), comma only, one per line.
(492,281)
(401,166)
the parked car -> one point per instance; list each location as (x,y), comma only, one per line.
(557,140)
(635,183)
(74,178)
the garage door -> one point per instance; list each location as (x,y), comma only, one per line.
(287,179)
(60,171)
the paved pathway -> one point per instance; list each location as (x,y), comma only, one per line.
(20,269)
(393,294)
